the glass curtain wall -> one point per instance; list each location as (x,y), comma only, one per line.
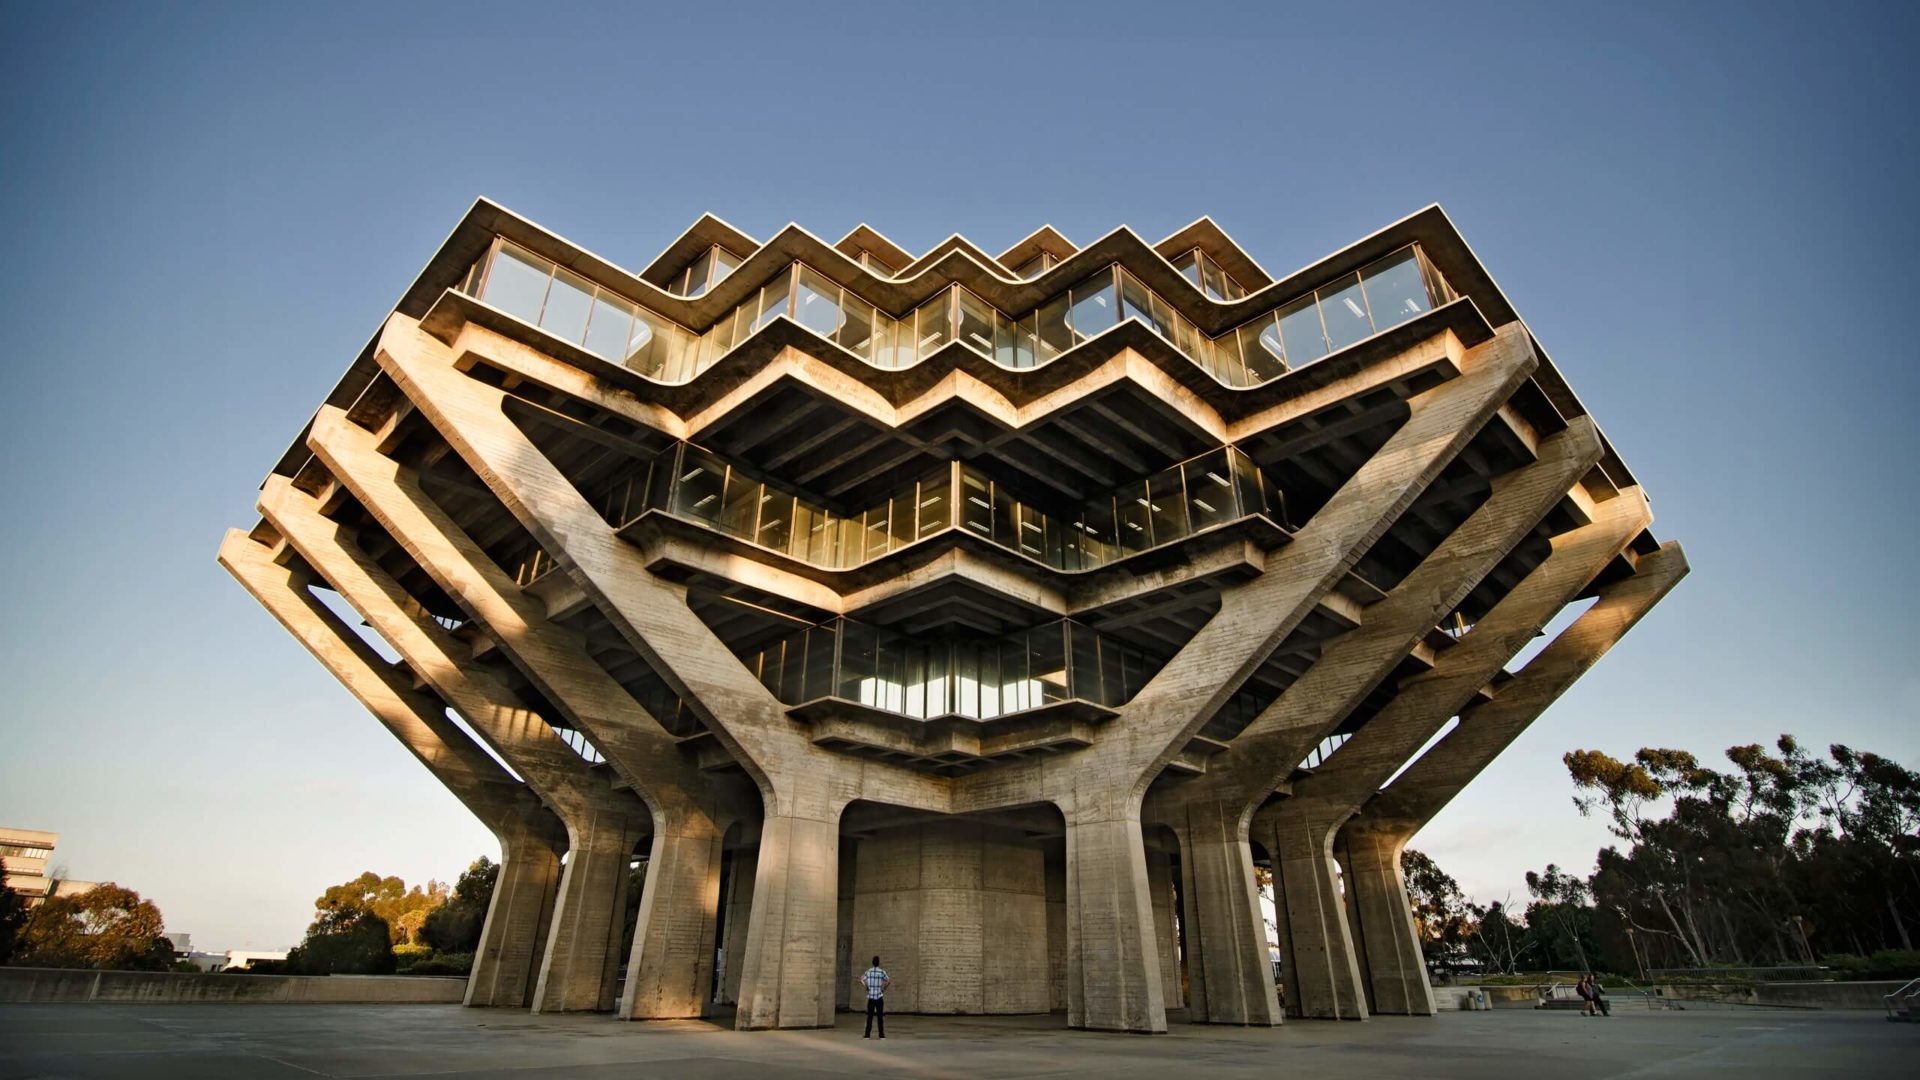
(696,485)
(570,307)
(1382,295)
(979,678)
(703,273)
(1207,276)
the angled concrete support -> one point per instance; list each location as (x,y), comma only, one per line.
(787,974)
(1253,621)
(1372,841)
(578,970)
(1230,979)
(531,838)
(670,970)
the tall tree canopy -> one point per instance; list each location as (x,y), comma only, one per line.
(105,927)
(455,926)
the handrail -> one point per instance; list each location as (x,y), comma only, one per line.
(1892,1001)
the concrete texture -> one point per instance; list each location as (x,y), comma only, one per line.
(20,985)
(469,490)
(218,1041)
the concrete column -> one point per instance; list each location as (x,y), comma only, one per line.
(670,971)
(1385,937)
(678,904)
(1227,965)
(592,811)
(582,961)
(1113,960)
(1316,949)
(519,917)
(787,975)
(531,837)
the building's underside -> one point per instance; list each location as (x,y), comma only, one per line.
(998,615)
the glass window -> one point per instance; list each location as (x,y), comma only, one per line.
(1343,307)
(1166,507)
(821,641)
(1098,527)
(1031,535)
(858,654)
(1093,307)
(1248,483)
(1133,515)
(893,342)
(975,322)
(517,283)
(568,304)
(1047,661)
(903,521)
(1083,668)
(976,506)
(1051,329)
(740,505)
(1014,344)
(1189,264)
(1209,490)
(874,532)
(816,302)
(1260,344)
(698,488)
(1005,518)
(1300,329)
(611,327)
(934,324)
(649,346)
(773,299)
(696,277)
(932,511)
(1437,286)
(1032,267)
(1214,281)
(1395,291)
(776,519)
(856,327)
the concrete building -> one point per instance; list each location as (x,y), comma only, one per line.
(25,855)
(998,614)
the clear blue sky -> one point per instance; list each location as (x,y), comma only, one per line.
(1705,212)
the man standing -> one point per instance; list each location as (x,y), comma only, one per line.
(876,981)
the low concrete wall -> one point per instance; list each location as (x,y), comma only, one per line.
(1498,997)
(1792,995)
(26,985)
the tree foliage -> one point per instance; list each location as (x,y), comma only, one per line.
(403,910)
(455,926)
(1786,857)
(107,927)
(13,916)
(1441,915)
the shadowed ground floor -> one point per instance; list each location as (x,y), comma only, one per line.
(269,1042)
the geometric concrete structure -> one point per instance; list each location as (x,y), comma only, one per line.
(998,614)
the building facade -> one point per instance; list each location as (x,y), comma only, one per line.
(1000,615)
(25,855)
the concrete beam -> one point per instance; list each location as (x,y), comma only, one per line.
(670,971)
(578,971)
(531,838)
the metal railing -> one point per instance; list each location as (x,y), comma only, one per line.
(1900,1003)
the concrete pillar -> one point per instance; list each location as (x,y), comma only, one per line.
(1316,949)
(594,813)
(1113,959)
(1388,943)
(519,917)
(787,975)
(670,970)
(583,944)
(1227,965)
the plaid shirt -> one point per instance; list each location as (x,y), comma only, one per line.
(876,980)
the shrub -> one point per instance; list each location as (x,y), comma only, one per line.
(447,963)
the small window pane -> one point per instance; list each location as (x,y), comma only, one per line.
(976,322)
(1395,291)
(1265,355)
(698,488)
(1189,264)
(568,304)
(773,300)
(517,284)
(976,506)
(1032,267)
(611,328)
(1013,344)
(1005,517)
(895,342)
(1166,507)
(816,302)
(1209,490)
(934,324)
(933,512)
(1300,329)
(1214,283)
(697,273)
(1344,308)
(723,263)
(740,505)
(856,328)
(1133,516)
(1054,335)
(776,519)
(1093,308)
(1084,666)
(649,346)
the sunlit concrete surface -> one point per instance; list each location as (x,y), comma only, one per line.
(275,1041)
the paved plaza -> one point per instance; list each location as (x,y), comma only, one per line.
(270,1042)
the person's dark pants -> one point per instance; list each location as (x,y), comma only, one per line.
(876,1009)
